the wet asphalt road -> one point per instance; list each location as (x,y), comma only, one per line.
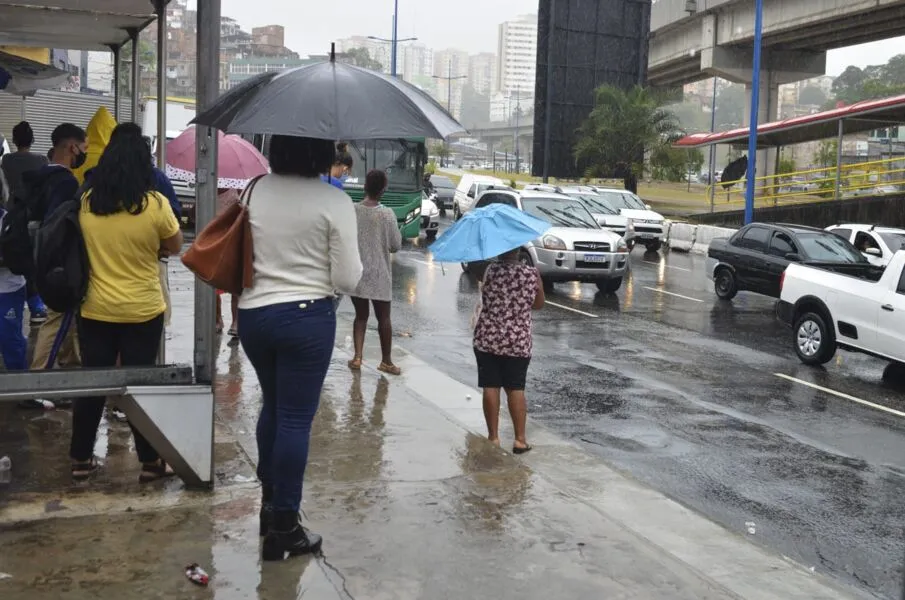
(683,392)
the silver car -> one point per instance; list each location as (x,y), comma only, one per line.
(575,248)
(606,215)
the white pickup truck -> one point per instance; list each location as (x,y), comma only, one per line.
(856,307)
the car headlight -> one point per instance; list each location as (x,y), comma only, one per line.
(621,246)
(551,242)
(435,212)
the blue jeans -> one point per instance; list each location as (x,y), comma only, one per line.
(13,345)
(290,346)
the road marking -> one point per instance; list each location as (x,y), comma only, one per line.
(656,264)
(574,310)
(885,409)
(672,294)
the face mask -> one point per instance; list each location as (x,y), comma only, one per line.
(79,159)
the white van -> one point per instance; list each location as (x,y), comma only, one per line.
(470,188)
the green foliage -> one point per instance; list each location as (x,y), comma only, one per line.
(786,165)
(826,153)
(870,83)
(440,150)
(430,168)
(621,127)
(674,164)
(812,95)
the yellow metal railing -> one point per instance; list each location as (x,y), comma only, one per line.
(873,178)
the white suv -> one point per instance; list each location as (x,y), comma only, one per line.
(576,248)
(877,244)
(650,226)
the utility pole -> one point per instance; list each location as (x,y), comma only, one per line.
(518,110)
(449,80)
(394,52)
(712,179)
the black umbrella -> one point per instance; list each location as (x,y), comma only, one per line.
(330,100)
(734,171)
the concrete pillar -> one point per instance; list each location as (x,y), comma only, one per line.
(768,107)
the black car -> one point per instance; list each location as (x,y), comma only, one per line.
(445,190)
(755,258)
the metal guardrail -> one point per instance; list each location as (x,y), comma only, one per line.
(871,178)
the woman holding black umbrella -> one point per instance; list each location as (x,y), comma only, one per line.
(305,238)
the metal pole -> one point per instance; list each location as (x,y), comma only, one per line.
(448,102)
(548,109)
(837,194)
(394,56)
(136,74)
(117,96)
(208,88)
(161,10)
(712,179)
(518,108)
(755,106)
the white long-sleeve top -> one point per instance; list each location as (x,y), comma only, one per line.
(305,237)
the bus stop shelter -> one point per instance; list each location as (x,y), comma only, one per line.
(836,123)
(171,405)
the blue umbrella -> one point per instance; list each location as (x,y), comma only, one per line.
(486,233)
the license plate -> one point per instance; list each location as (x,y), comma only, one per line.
(645,236)
(596,258)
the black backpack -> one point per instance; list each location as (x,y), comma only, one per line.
(61,261)
(15,241)
(17,247)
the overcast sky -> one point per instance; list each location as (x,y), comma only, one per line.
(467,24)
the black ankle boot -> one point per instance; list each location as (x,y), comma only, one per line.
(265,518)
(286,535)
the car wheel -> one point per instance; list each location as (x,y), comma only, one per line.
(548,285)
(443,212)
(432,234)
(525,258)
(724,284)
(815,344)
(457,214)
(609,286)
(654,246)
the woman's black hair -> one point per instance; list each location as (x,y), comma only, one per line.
(375,183)
(124,174)
(23,136)
(308,157)
(344,160)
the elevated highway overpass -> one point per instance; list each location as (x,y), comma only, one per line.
(718,38)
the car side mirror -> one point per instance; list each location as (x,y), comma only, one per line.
(873,252)
(470,194)
(793,257)
(647,206)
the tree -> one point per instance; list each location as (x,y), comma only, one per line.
(812,94)
(786,165)
(847,87)
(361,57)
(147,63)
(621,127)
(826,154)
(730,106)
(441,151)
(674,164)
(690,117)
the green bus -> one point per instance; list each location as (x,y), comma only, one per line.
(403,161)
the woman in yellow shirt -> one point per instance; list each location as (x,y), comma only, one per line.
(126,226)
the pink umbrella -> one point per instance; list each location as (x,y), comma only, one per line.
(238,161)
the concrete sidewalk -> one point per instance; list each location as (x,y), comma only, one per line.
(412,501)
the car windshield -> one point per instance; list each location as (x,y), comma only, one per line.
(826,247)
(893,239)
(623,200)
(560,212)
(595,204)
(401,160)
(442,182)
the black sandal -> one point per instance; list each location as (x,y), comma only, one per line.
(516,450)
(154,471)
(82,471)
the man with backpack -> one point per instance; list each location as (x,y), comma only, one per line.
(47,189)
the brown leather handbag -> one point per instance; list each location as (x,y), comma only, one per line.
(222,254)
